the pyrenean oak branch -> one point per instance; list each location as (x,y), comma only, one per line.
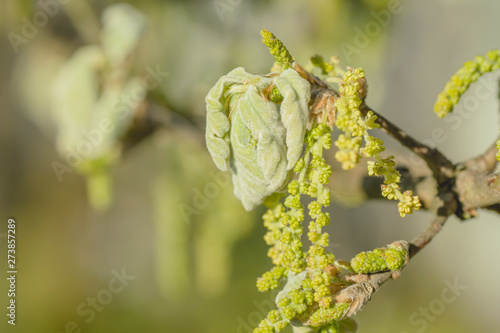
(451,190)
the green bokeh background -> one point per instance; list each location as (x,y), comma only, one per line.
(197,274)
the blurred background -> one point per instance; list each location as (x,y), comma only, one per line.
(105,170)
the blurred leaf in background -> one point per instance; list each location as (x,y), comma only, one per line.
(198,221)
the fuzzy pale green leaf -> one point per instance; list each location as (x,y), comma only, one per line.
(260,140)
(220,101)
(258,149)
(294,111)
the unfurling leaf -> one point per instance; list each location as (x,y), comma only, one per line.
(260,140)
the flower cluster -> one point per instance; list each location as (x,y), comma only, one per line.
(390,189)
(323,316)
(348,119)
(272,237)
(461,80)
(278,50)
(327,68)
(317,175)
(393,258)
(308,280)
(355,127)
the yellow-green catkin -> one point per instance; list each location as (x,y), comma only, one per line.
(318,139)
(324,317)
(355,129)
(392,258)
(285,225)
(348,119)
(277,49)
(463,78)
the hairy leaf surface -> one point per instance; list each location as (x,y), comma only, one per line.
(260,140)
